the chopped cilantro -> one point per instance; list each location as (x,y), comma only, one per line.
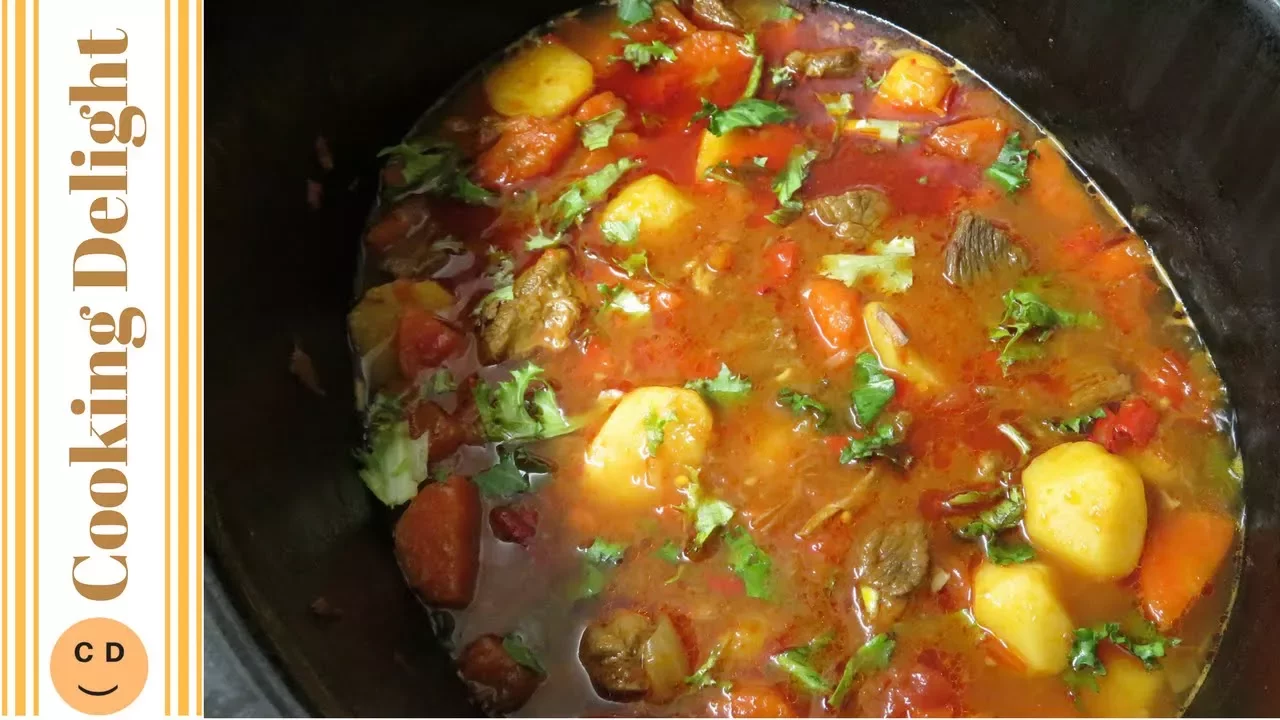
(670,552)
(750,563)
(724,386)
(599,557)
(641,54)
(505,412)
(888,265)
(748,47)
(540,241)
(873,655)
(620,232)
(654,430)
(747,112)
(798,663)
(1005,515)
(519,651)
(784,12)
(788,183)
(702,676)
(577,200)
(873,388)
(1009,171)
(623,299)
(633,12)
(597,131)
(511,475)
(801,403)
(435,167)
(1002,554)
(1027,316)
(877,442)
(1079,424)
(635,263)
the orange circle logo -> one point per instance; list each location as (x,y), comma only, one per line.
(99,666)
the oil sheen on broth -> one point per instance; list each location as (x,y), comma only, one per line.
(746,359)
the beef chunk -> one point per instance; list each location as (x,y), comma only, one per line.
(545,306)
(830,63)
(498,682)
(977,248)
(437,541)
(612,651)
(715,14)
(853,215)
(893,558)
(404,239)
(1093,382)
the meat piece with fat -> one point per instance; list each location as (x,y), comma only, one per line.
(893,558)
(543,309)
(829,63)
(977,248)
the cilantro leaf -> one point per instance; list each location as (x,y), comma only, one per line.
(974,497)
(435,167)
(605,552)
(1028,316)
(576,201)
(750,563)
(746,113)
(598,558)
(620,232)
(540,241)
(654,430)
(801,403)
(708,517)
(505,413)
(788,183)
(888,265)
(623,299)
(635,263)
(1009,171)
(504,479)
(884,436)
(641,54)
(1079,424)
(798,663)
(749,48)
(597,131)
(633,12)
(782,76)
(519,651)
(670,552)
(784,12)
(873,655)
(1148,645)
(702,676)
(723,387)
(395,463)
(1004,516)
(873,388)
(471,193)
(1002,554)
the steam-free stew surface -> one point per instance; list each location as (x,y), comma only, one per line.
(736,359)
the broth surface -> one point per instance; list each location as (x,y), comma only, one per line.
(795,413)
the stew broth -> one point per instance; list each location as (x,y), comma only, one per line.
(852,432)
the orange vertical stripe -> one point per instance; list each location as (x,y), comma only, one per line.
(20,361)
(199,388)
(35,357)
(168,480)
(184,576)
(4,361)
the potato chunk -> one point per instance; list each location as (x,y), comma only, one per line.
(543,81)
(626,465)
(1086,507)
(1019,605)
(892,347)
(1127,690)
(916,81)
(652,200)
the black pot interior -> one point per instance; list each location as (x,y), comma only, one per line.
(1172,107)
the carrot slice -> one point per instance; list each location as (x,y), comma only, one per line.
(835,311)
(978,140)
(1055,189)
(1184,550)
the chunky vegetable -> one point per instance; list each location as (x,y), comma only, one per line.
(543,80)
(653,202)
(1185,549)
(915,81)
(1019,604)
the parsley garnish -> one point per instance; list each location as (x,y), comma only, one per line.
(798,662)
(574,202)
(670,552)
(641,54)
(873,388)
(1009,171)
(1148,645)
(750,563)
(511,475)
(990,523)
(506,413)
(702,676)
(724,386)
(1079,424)
(519,651)
(435,167)
(623,299)
(601,556)
(597,131)
(654,430)
(788,183)
(746,113)
(620,232)
(873,655)
(801,403)
(884,436)
(709,514)
(633,12)
(635,263)
(1026,315)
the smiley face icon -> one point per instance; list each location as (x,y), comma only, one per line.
(99,666)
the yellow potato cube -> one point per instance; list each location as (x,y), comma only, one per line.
(626,466)
(891,346)
(544,81)
(374,320)
(1019,605)
(711,151)
(652,200)
(1086,507)
(1127,690)
(916,81)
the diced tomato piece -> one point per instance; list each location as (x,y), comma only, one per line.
(425,341)
(437,541)
(671,19)
(752,700)
(780,261)
(597,105)
(725,583)
(514,523)
(1083,244)
(446,433)
(1168,378)
(914,691)
(1053,187)
(1183,552)
(835,311)
(668,299)
(1133,425)
(528,147)
(978,140)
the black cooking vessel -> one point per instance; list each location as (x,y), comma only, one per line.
(1173,107)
